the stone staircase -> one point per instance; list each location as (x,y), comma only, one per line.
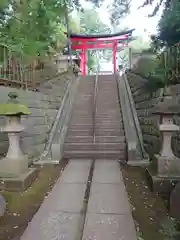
(102,137)
(89,200)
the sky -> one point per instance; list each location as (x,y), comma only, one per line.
(138,18)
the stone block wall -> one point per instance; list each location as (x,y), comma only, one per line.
(145,102)
(50,69)
(44,106)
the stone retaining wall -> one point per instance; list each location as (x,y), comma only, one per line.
(145,102)
(44,106)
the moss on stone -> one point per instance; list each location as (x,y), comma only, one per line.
(10,109)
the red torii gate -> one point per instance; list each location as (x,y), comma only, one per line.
(106,41)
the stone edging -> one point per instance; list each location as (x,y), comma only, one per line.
(135,154)
(58,130)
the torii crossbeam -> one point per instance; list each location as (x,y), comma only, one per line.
(105,41)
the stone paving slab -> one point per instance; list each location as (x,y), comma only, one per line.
(108,198)
(55,226)
(77,171)
(109,227)
(107,172)
(59,215)
(67,197)
(108,215)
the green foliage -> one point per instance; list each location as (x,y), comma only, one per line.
(91,62)
(34,28)
(169,34)
(90,23)
(151,68)
(139,234)
(169,24)
(29,27)
(146,65)
(169,229)
(118,9)
(158,3)
(139,44)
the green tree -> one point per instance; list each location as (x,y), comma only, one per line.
(34,28)
(169,24)
(28,27)
(159,3)
(117,10)
(91,23)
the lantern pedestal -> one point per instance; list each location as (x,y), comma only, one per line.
(166,173)
(168,163)
(161,185)
(14,172)
(168,168)
(15,162)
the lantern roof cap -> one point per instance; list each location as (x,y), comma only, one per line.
(13,107)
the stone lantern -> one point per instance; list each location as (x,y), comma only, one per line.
(168,163)
(14,167)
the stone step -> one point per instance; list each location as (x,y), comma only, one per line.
(106,121)
(115,106)
(84,109)
(107,117)
(107,114)
(99,154)
(109,132)
(109,139)
(101,122)
(108,126)
(79,130)
(94,147)
(103,100)
(80,119)
(105,110)
(79,139)
(79,133)
(98,139)
(80,126)
(81,114)
(85,122)
(98,127)
(98,132)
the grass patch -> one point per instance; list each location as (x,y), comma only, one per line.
(22,206)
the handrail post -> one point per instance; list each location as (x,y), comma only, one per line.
(130,58)
(94,106)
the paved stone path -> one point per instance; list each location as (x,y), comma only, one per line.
(108,215)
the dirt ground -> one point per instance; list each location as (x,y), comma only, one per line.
(21,207)
(149,210)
